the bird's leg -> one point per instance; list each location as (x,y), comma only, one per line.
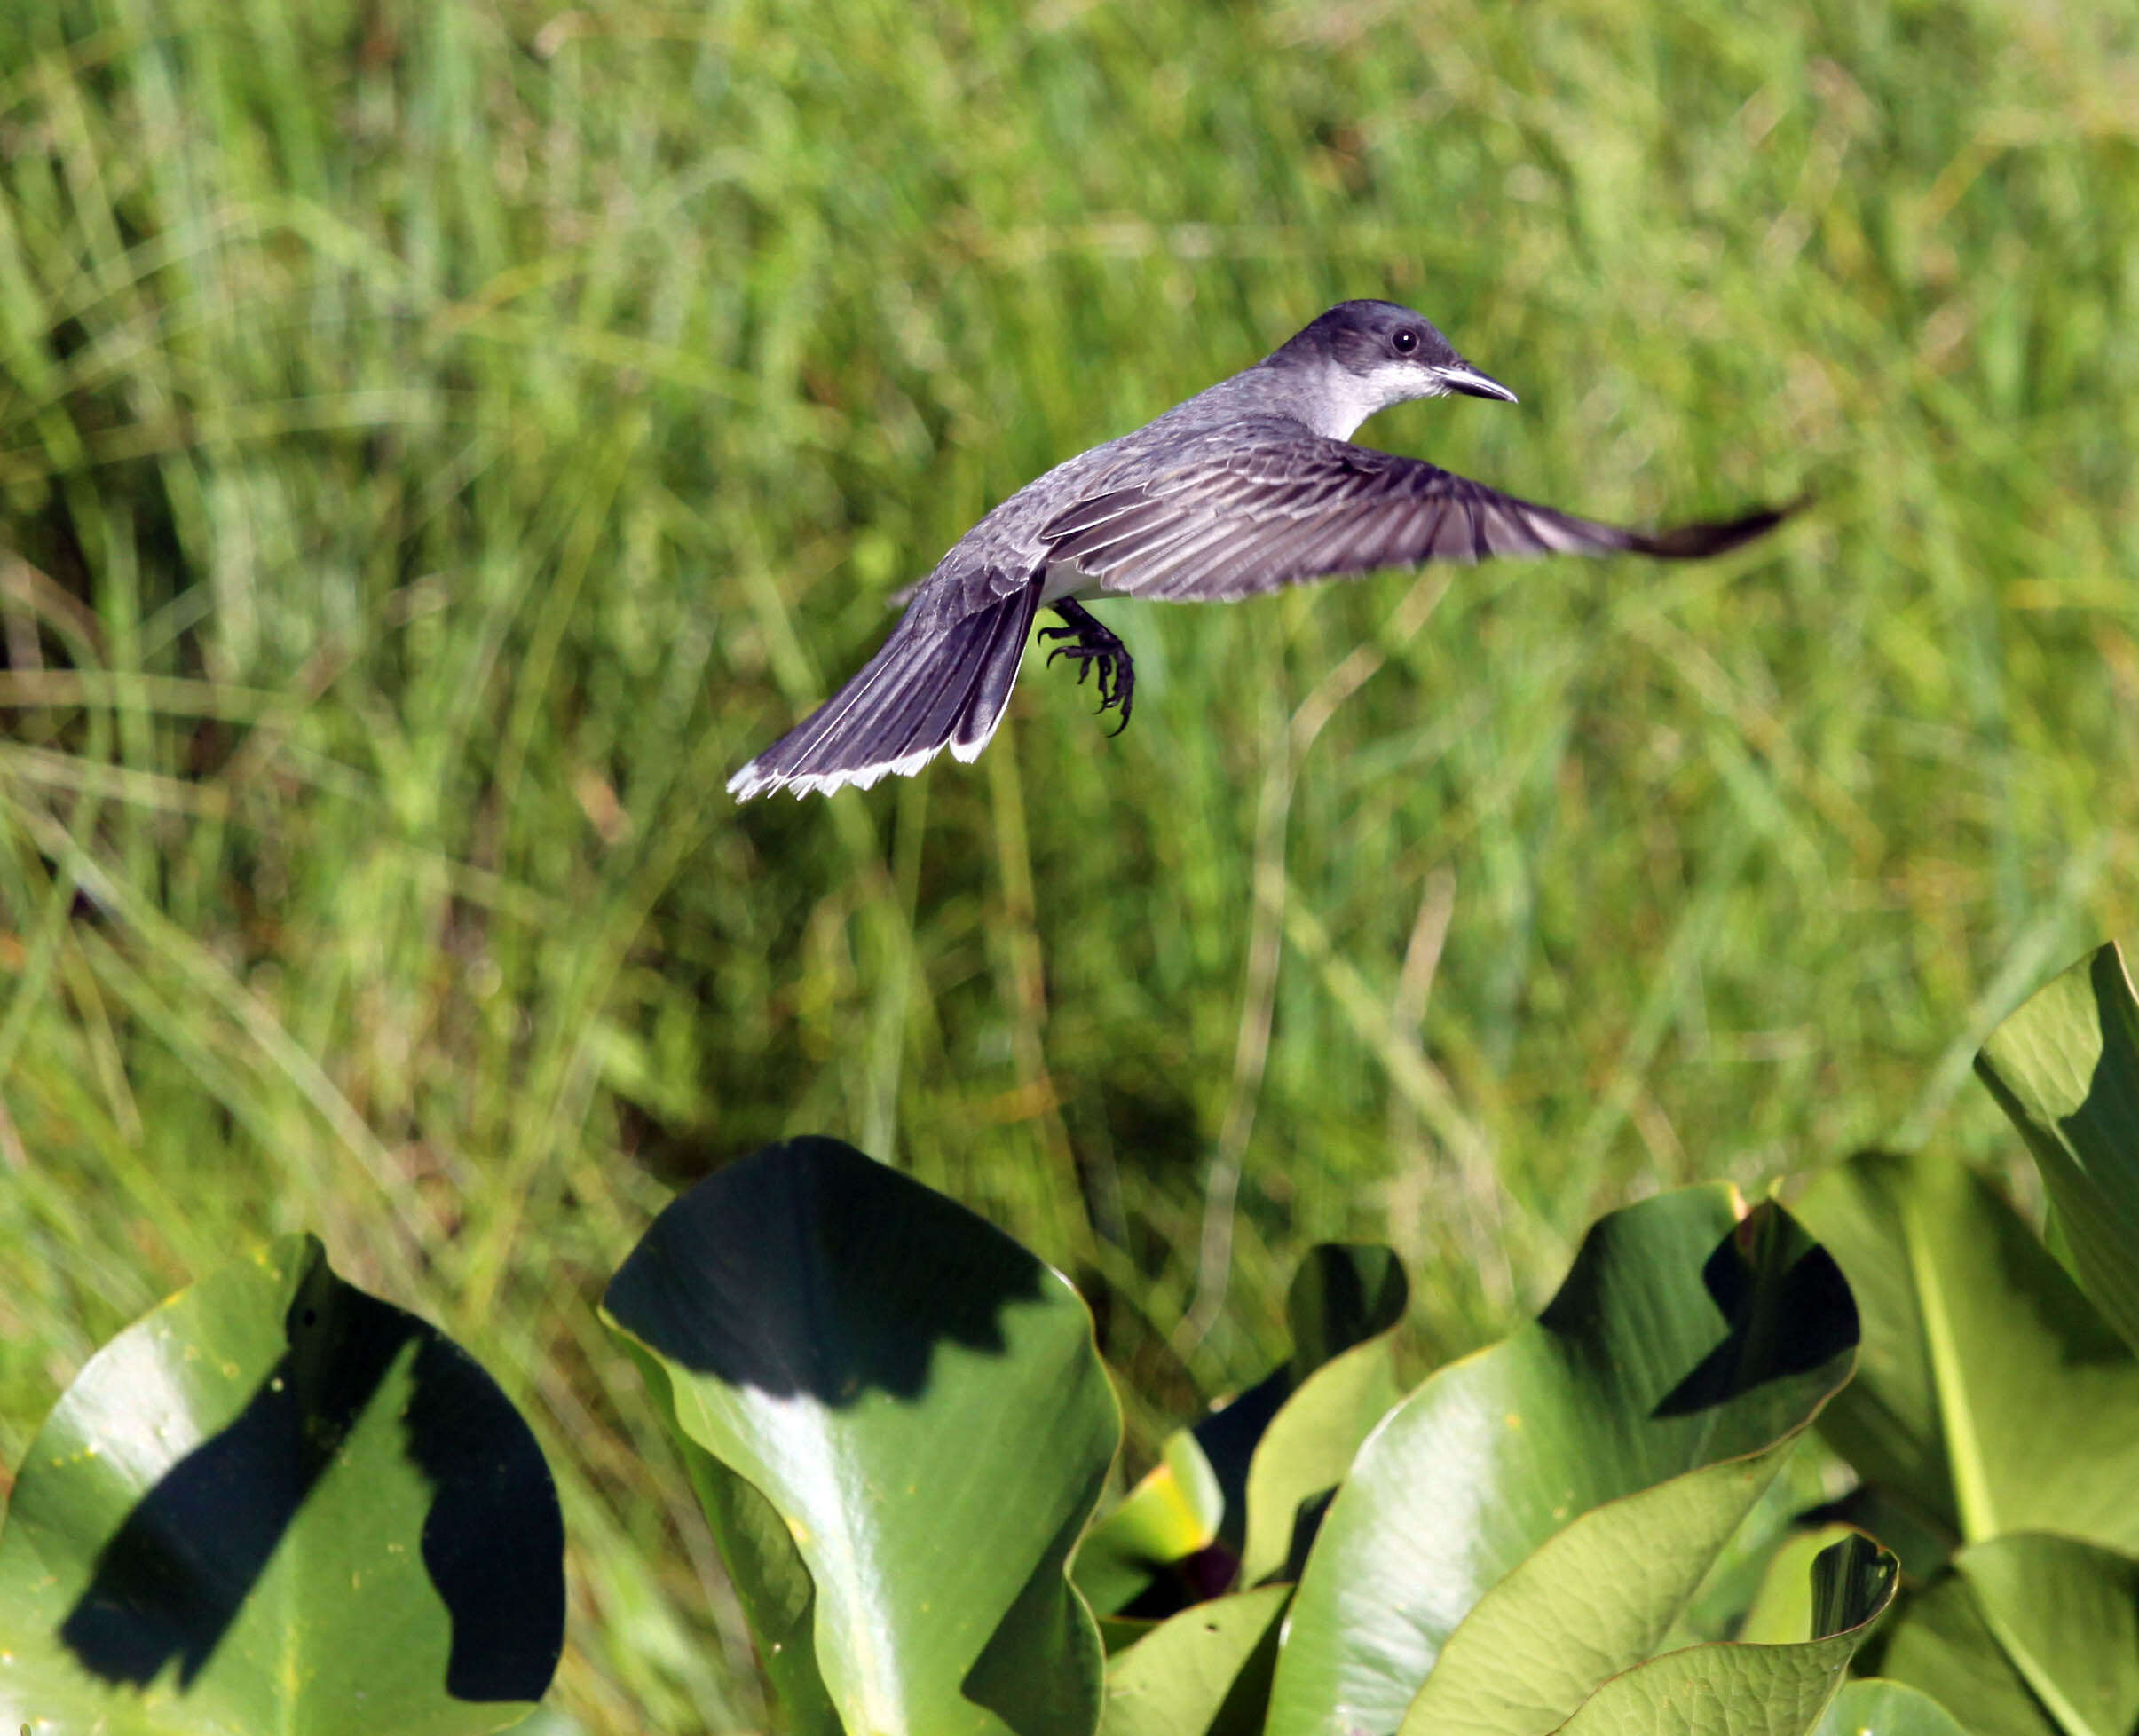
(1092,646)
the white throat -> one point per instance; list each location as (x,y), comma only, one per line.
(1346,398)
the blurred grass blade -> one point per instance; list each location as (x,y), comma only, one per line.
(919,1401)
(278,1503)
(1754,1689)
(2065,1068)
(1686,1335)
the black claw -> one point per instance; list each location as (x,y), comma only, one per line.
(1092,647)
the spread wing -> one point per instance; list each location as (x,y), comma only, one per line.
(1304,507)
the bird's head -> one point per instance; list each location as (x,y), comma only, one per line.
(1372,354)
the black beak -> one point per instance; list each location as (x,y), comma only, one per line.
(1461,377)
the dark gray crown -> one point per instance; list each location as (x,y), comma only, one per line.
(1363,335)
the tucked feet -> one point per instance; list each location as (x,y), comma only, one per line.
(1092,647)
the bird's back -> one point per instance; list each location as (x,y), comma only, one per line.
(1004,546)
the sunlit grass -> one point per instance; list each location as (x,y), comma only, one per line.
(437,444)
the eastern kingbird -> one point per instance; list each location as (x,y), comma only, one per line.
(1249,486)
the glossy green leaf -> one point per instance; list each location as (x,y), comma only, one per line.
(1344,1303)
(2067,1616)
(1941,1644)
(919,1402)
(1344,1308)
(1876,1706)
(1683,1336)
(1811,1478)
(1886,1423)
(764,1566)
(1991,1387)
(1204,1672)
(1922,1543)
(277,1503)
(1119,1633)
(1173,1513)
(2065,1068)
(1306,1452)
(1782,1612)
(1595,1599)
(1736,1690)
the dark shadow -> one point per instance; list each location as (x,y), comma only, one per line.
(1307,1526)
(494,1539)
(2112,1089)
(809,1268)
(1228,1438)
(1342,1295)
(1787,1309)
(173,1577)
(1195,1579)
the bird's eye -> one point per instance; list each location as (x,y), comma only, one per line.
(1404,343)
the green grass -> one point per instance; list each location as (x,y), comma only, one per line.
(439,443)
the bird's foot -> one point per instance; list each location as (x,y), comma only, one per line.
(1092,647)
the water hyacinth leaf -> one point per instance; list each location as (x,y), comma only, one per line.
(1941,1645)
(764,1566)
(1204,1672)
(1593,1600)
(1810,1479)
(921,1402)
(277,1503)
(2032,1416)
(1726,1689)
(2067,1616)
(1306,1452)
(1344,1297)
(2065,1068)
(1689,1331)
(1171,1513)
(1782,1611)
(1345,1307)
(1886,1422)
(1923,1544)
(1873,1705)
(1119,1633)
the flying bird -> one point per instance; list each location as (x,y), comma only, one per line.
(1248,485)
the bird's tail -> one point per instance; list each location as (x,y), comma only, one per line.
(930,687)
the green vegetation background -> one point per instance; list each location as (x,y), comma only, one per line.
(438,442)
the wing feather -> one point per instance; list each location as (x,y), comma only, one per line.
(1291,507)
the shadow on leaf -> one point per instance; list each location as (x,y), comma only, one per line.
(809,1268)
(1786,1308)
(174,1576)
